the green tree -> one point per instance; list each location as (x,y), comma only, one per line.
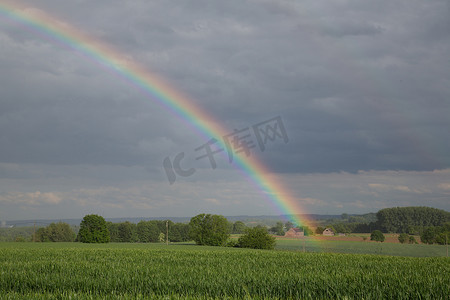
(93,229)
(148,231)
(307,231)
(162,225)
(113,229)
(289,225)
(239,227)
(127,232)
(211,230)
(179,232)
(428,236)
(436,234)
(377,235)
(257,238)
(60,232)
(41,235)
(319,230)
(162,237)
(401,219)
(403,238)
(10,234)
(278,229)
(342,228)
(443,238)
(55,232)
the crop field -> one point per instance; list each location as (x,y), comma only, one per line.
(352,247)
(155,271)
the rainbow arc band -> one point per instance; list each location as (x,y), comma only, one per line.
(50,28)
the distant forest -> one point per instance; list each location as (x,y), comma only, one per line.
(410,220)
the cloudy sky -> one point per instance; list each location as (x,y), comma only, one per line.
(362,89)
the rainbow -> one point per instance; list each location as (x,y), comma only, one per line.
(156,89)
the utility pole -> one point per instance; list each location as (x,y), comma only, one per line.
(167,232)
(34,232)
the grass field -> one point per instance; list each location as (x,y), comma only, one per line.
(155,271)
(352,247)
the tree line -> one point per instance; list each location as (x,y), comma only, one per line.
(433,226)
(204,229)
(410,220)
(148,231)
(94,229)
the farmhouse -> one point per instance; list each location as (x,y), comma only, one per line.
(328,232)
(294,232)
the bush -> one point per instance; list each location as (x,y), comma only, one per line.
(437,234)
(257,238)
(232,243)
(428,236)
(443,238)
(20,239)
(377,235)
(403,238)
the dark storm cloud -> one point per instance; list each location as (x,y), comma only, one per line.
(362,88)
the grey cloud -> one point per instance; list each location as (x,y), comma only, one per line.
(359,85)
(283,58)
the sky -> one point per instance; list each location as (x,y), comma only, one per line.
(351,100)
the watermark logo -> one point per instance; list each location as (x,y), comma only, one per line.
(240,141)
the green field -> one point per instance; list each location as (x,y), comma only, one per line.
(155,271)
(413,250)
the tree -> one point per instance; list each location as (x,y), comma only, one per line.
(41,235)
(60,232)
(113,229)
(319,230)
(278,229)
(211,230)
(437,234)
(162,237)
(342,228)
(307,231)
(127,232)
(289,225)
(179,232)
(403,238)
(257,238)
(55,232)
(428,236)
(401,219)
(147,231)
(377,235)
(443,238)
(93,229)
(239,227)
